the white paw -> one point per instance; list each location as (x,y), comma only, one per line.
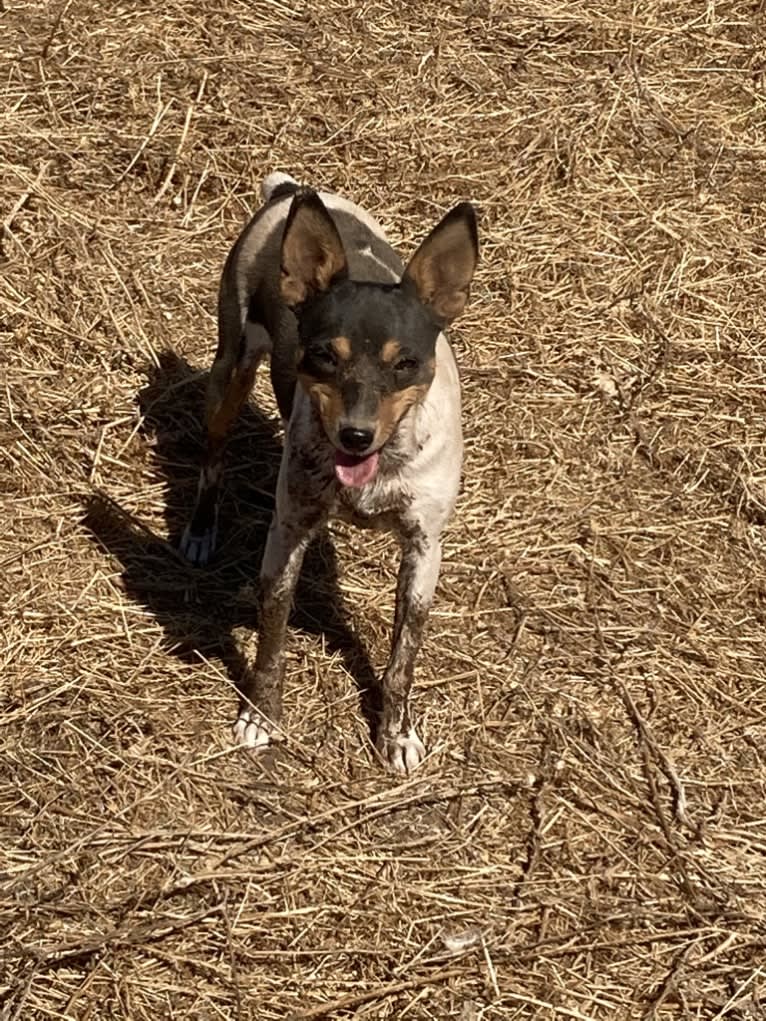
(198,548)
(251,730)
(404,752)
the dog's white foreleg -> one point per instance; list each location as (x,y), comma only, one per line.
(398,741)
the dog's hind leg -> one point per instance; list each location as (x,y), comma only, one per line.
(230,382)
(397,739)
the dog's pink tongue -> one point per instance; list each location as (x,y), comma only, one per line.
(355,471)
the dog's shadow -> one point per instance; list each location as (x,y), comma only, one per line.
(199,609)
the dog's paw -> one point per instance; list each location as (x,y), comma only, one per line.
(252,731)
(196,547)
(404,752)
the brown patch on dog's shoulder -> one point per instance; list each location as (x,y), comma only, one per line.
(393,406)
(389,351)
(224,402)
(342,347)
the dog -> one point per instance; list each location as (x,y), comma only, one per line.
(368,388)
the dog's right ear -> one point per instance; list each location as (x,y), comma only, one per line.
(312,250)
(442,268)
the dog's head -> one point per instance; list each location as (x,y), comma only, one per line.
(367,350)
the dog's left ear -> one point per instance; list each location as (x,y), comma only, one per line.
(442,268)
(312,251)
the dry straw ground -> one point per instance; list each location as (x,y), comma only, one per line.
(587,838)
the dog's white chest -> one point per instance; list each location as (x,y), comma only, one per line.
(378,505)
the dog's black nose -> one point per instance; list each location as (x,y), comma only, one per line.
(356,440)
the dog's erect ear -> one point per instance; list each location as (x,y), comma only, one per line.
(312,251)
(442,268)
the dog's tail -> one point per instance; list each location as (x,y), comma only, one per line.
(277,185)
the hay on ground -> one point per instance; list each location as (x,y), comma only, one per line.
(586,839)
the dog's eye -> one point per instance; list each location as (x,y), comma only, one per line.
(405,366)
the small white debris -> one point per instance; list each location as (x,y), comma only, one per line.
(459,942)
(605,382)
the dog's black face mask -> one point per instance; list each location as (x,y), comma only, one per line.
(367,355)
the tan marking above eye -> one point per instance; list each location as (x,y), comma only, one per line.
(342,347)
(389,351)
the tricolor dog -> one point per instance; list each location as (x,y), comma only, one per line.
(368,388)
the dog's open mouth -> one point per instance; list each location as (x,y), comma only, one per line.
(355,471)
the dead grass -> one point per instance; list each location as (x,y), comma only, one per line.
(587,838)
